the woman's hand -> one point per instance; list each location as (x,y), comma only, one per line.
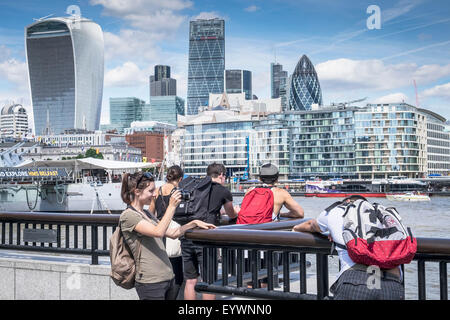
(175,199)
(204,225)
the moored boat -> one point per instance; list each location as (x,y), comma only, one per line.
(408,196)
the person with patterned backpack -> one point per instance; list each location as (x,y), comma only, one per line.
(372,243)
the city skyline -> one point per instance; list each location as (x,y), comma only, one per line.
(351,60)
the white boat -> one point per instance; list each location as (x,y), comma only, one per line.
(409,196)
(77,186)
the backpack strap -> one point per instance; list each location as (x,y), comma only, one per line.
(378,232)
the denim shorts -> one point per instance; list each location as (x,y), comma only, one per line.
(362,285)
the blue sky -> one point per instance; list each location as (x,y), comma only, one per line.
(351,61)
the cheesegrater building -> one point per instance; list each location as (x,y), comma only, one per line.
(65,65)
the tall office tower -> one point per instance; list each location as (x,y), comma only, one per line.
(123,111)
(65,65)
(304,86)
(162,72)
(276,76)
(239,81)
(161,84)
(206,62)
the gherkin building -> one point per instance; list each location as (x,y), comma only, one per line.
(304,86)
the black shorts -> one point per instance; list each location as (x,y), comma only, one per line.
(164,290)
(192,259)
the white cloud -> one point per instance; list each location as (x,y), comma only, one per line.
(392,98)
(252,8)
(207,15)
(15,72)
(159,17)
(126,75)
(341,74)
(130,44)
(440,91)
(123,7)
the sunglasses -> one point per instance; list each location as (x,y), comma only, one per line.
(147,175)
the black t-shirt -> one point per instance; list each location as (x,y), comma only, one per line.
(219,196)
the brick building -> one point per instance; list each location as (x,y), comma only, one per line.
(150,143)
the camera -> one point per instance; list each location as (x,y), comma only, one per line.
(185,195)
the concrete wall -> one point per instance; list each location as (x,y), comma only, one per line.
(44,280)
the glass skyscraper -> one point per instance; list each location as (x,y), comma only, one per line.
(239,81)
(276,74)
(161,84)
(123,111)
(206,62)
(65,65)
(304,87)
(164,109)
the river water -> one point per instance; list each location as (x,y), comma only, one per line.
(428,219)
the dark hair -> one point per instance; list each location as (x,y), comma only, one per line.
(216,169)
(269,179)
(131,182)
(174,173)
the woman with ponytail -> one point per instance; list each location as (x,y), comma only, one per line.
(154,274)
(159,207)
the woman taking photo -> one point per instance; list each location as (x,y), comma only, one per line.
(159,206)
(154,275)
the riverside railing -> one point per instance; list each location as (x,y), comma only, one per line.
(234,254)
(274,237)
(84,234)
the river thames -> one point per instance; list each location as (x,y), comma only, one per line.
(428,219)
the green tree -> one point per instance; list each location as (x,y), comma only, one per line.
(92,153)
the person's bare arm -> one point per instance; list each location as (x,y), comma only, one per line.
(230,211)
(295,210)
(148,229)
(174,233)
(152,206)
(307,226)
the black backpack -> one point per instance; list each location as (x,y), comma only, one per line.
(197,208)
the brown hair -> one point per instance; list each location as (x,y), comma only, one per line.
(216,169)
(174,173)
(129,184)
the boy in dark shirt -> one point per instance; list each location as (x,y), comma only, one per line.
(193,255)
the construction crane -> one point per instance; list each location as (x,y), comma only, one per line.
(345,104)
(43,18)
(417,96)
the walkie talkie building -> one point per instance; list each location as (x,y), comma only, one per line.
(304,87)
(65,65)
(206,62)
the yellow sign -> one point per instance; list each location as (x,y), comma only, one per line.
(144,159)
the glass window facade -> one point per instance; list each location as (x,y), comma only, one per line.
(65,65)
(206,62)
(239,81)
(163,109)
(227,143)
(390,141)
(304,86)
(123,111)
